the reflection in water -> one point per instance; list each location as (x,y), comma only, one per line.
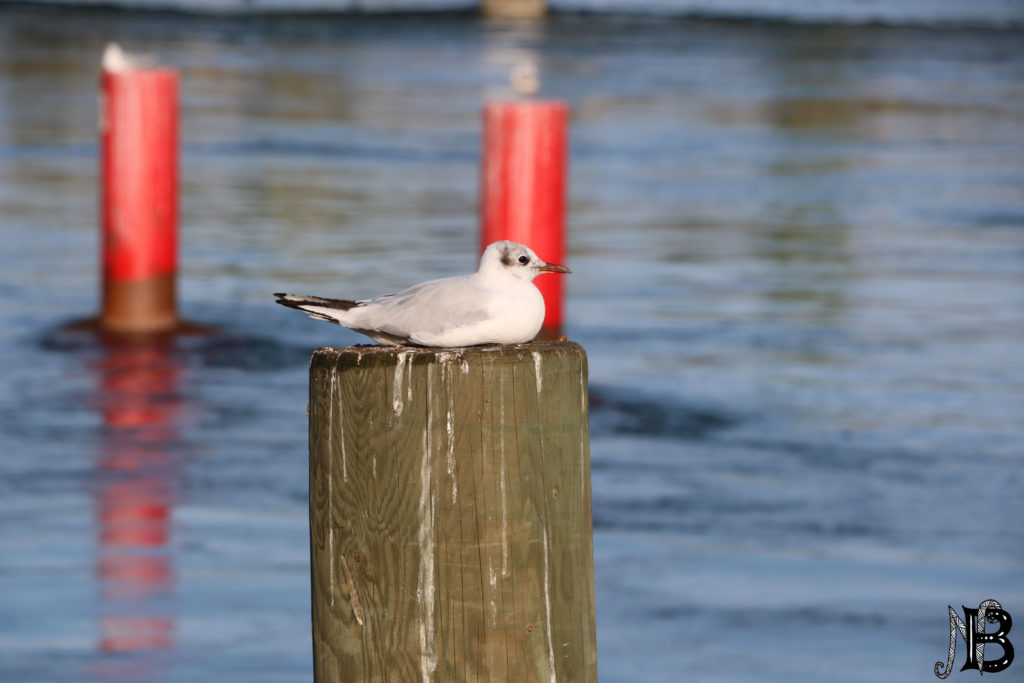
(804,240)
(137,394)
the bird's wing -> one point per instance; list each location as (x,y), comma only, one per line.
(429,308)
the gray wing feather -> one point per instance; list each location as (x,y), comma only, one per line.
(451,304)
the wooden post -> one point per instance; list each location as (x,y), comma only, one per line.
(450,518)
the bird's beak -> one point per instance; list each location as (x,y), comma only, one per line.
(554,268)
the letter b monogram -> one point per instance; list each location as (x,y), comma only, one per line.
(972,630)
(992,614)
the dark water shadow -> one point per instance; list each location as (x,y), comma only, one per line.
(202,347)
(622,411)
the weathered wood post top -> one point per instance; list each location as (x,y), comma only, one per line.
(450,514)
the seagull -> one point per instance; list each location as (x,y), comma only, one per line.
(498,304)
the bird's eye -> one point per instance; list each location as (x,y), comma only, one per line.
(524,259)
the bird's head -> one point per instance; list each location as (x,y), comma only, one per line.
(516,260)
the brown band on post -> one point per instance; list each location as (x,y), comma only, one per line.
(140,306)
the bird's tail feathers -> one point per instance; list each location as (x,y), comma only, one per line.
(316,306)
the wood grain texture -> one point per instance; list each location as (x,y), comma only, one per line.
(450,514)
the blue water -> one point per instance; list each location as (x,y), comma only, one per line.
(798,257)
(977,13)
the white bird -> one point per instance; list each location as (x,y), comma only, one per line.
(498,304)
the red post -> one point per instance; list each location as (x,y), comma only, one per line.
(523,186)
(139,207)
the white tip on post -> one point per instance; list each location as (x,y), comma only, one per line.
(116,60)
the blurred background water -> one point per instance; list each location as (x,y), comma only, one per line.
(798,255)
